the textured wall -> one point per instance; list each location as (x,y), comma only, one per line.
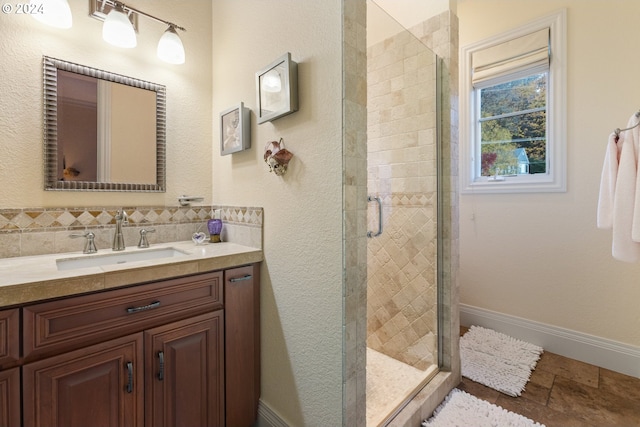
(540,256)
(302,277)
(23,42)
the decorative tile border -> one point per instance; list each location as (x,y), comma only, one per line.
(58,219)
(39,231)
(409,199)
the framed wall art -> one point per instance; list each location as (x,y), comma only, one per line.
(277,89)
(235,129)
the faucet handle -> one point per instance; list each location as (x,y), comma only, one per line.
(144,243)
(90,244)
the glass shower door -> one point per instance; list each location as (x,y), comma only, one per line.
(402,249)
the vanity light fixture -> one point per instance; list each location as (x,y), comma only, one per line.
(170,48)
(118,29)
(56,13)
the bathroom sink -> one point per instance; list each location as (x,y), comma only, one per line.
(117,258)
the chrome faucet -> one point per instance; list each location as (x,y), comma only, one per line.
(90,245)
(144,242)
(118,237)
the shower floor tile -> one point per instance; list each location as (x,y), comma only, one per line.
(389,382)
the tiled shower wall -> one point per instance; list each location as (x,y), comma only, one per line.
(401,262)
(25,232)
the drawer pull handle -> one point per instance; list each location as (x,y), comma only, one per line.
(240,279)
(161,372)
(130,381)
(154,304)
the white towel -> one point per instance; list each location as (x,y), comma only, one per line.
(608,181)
(635,227)
(624,248)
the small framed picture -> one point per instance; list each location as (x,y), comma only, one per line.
(277,89)
(235,129)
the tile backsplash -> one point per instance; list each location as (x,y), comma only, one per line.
(38,231)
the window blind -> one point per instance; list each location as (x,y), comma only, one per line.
(511,56)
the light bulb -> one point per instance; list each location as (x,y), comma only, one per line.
(118,30)
(56,13)
(170,48)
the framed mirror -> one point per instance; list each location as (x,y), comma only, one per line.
(102,131)
(277,89)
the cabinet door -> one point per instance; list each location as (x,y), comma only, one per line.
(242,345)
(100,385)
(10,398)
(9,337)
(185,373)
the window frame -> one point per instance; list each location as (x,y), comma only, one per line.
(555,179)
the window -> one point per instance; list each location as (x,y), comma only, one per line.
(512,110)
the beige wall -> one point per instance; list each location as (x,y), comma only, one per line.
(23,42)
(405,13)
(540,256)
(302,273)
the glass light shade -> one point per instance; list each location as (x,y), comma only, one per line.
(118,30)
(56,13)
(170,48)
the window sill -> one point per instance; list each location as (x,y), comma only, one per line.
(505,184)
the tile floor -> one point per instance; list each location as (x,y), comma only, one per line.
(389,382)
(564,392)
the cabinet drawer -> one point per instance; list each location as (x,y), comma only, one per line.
(62,325)
(9,337)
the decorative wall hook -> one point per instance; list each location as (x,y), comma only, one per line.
(277,157)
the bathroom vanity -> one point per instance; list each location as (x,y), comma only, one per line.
(177,350)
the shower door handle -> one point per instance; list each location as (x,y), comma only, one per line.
(379,232)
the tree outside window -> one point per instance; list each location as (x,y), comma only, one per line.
(513,127)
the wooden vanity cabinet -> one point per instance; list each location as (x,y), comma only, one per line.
(184,378)
(9,371)
(242,345)
(10,397)
(98,386)
(162,365)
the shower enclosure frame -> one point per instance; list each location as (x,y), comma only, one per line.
(354,225)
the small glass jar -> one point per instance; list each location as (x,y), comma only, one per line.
(215,227)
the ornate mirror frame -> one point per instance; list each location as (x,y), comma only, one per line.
(50,79)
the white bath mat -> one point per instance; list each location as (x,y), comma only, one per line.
(461,409)
(497,360)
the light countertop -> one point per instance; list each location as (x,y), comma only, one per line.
(33,278)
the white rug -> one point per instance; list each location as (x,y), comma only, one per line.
(461,409)
(497,360)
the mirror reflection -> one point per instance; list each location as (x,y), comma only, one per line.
(103,131)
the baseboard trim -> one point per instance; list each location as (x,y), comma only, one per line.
(267,417)
(609,354)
